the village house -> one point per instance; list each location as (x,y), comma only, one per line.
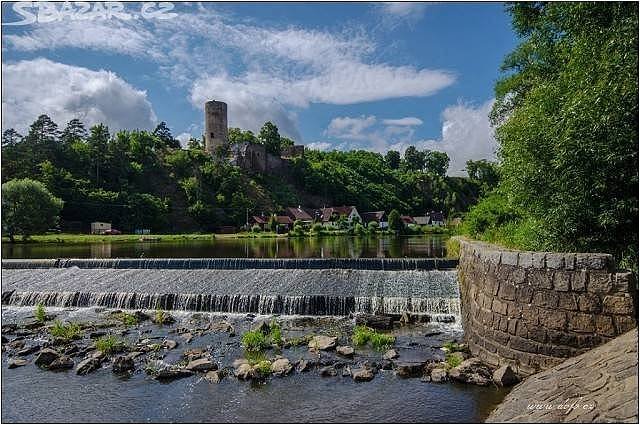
(407,220)
(299,214)
(285,223)
(331,215)
(377,216)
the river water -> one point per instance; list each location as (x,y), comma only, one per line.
(324,247)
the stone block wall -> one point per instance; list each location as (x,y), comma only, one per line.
(534,309)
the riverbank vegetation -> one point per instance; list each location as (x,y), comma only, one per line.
(566,114)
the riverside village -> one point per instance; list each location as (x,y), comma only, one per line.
(393,212)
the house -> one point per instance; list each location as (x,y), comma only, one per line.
(99,227)
(298,214)
(259,220)
(421,220)
(407,219)
(436,218)
(284,222)
(377,216)
(332,214)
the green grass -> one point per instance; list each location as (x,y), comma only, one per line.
(127,319)
(72,238)
(65,330)
(263,367)
(451,346)
(159,317)
(275,333)
(453,248)
(253,341)
(255,357)
(299,340)
(109,344)
(40,313)
(379,341)
(452,361)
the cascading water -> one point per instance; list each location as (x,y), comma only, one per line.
(289,288)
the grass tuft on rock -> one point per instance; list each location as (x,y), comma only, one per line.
(109,344)
(126,319)
(40,313)
(379,341)
(253,341)
(65,330)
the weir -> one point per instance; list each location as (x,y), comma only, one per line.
(291,286)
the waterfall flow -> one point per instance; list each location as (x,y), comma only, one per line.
(233,288)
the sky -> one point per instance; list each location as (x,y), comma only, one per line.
(374,76)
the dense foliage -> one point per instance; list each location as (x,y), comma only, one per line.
(567,127)
(145,180)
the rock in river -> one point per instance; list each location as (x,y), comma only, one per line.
(345,350)
(322,343)
(328,371)
(62,362)
(201,365)
(45,357)
(281,367)
(505,376)
(472,371)
(390,354)
(245,371)
(16,362)
(409,369)
(438,375)
(362,374)
(123,364)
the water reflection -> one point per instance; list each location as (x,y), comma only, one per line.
(325,247)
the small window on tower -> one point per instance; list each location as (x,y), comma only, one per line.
(211,135)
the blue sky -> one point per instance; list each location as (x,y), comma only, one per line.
(374,76)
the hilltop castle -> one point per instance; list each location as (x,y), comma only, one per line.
(249,156)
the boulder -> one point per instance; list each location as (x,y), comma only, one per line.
(222,326)
(373,321)
(166,372)
(214,376)
(345,350)
(16,344)
(362,374)
(201,365)
(194,353)
(61,363)
(245,371)
(237,362)
(328,371)
(390,354)
(97,334)
(88,365)
(30,349)
(169,344)
(472,371)
(281,367)
(16,362)
(322,343)
(32,324)
(140,316)
(45,357)
(438,375)
(505,376)
(303,366)
(386,365)
(123,364)
(262,326)
(409,369)
(4,339)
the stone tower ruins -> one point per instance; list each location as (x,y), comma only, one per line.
(215,125)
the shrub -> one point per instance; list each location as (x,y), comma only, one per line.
(256,229)
(159,317)
(276,333)
(109,344)
(452,361)
(65,330)
(491,212)
(317,228)
(254,341)
(373,226)
(379,341)
(127,319)
(452,246)
(263,367)
(359,229)
(40,313)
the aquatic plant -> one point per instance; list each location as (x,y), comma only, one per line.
(159,317)
(65,330)
(379,341)
(452,246)
(263,367)
(40,313)
(127,319)
(109,344)
(452,360)
(275,333)
(254,341)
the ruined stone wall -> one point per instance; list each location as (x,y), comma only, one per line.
(534,309)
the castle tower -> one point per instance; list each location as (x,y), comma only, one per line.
(215,125)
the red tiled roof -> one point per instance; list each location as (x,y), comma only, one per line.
(298,213)
(260,219)
(327,213)
(407,219)
(372,216)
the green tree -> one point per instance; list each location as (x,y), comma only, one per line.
(28,208)
(238,136)
(567,124)
(395,222)
(436,162)
(163,133)
(270,138)
(73,132)
(392,158)
(484,172)
(413,159)
(10,137)
(98,141)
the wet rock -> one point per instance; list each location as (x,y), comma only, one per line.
(4,339)
(237,362)
(363,374)
(405,319)
(245,371)
(425,378)
(16,344)
(194,353)
(322,343)
(134,354)
(386,365)
(250,316)
(345,350)
(373,321)
(28,350)
(141,316)
(16,362)
(346,371)
(163,319)
(169,344)
(165,372)
(262,326)
(390,354)
(45,357)
(472,371)
(122,364)
(505,376)
(222,326)
(9,328)
(97,334)
(433,333)
(201,365)
(89,364)
(214,376)
(328,371)
(72,349)
(447,318)
(409,369)
(62,362)
(303,366)
(281,367)
(32,324)
(438,375)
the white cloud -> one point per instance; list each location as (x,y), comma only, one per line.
(64,92)
(350,128)
(263,73)
(183,138)
(406,121)
(320,146)
(403,9)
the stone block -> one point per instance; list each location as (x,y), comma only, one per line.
(594,261)
(499,306)
(537,334)
(604,326)
(567,301)
(618,305)
(540,278)
(589,303)
(570,261)
(500,337)
(600,282)
(522,330)
(522,344)
(562,338)
(554,350)
(538,260)
(524,294)
(546,299)
(624,324)
(623,282)
(518,276)
(553,319)
(579,281)
(561,280)
(513,325)
(555,261)
(509,258)
(530,314)
(513,309)
(581,322)
(507,291)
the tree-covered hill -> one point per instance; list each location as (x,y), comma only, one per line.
(139,179)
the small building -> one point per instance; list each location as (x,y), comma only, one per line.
(260,220)
(436,218)
(332,214)
(407,219)
(299,214)
(422,220)
(99,227)
(377,216)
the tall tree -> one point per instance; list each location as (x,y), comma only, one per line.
(10,137)
(392,158)
(270,138)
(163,133)
(413,159)
(73,132)
(436,162)
(98,141)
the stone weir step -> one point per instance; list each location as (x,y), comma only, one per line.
(390,264)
